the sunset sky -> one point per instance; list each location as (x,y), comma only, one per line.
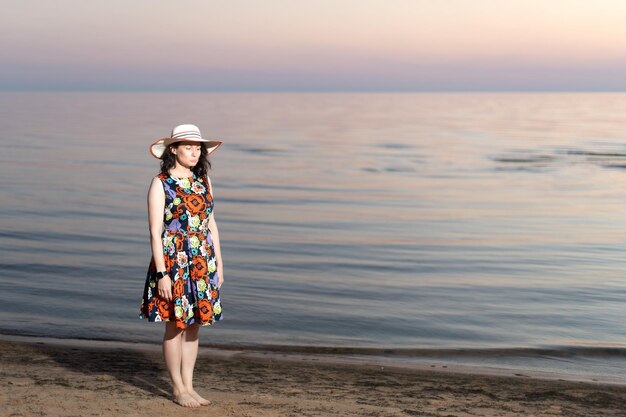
(321,45)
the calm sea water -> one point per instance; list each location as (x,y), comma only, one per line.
(486,221)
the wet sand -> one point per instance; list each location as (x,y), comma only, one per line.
(93,378)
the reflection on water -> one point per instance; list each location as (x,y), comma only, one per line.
(372,220)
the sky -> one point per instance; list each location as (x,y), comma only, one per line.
(321,45)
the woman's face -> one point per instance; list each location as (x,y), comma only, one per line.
(187,153)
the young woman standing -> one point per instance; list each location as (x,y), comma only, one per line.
(186,273)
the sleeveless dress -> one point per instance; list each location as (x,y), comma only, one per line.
(189,257)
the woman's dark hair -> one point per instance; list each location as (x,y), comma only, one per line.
(168,160)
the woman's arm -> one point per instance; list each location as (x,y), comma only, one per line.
(156,206)
(215,235)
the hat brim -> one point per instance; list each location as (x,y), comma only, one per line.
(158,147)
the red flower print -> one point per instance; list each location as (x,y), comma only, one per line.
(205,310)
(199,269)
(179,288)
(166,309)
(194,203)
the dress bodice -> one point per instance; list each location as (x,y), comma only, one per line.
(188,204)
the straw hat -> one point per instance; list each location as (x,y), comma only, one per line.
(183,133)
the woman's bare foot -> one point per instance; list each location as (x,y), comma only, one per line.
(199,398)
(185,399)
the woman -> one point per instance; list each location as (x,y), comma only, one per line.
(186,272)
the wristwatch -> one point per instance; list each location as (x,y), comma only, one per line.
(160,275)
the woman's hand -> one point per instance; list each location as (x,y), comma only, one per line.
(165,288)
(220,277)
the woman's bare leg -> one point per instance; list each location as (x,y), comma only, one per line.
(173,354)
(190,353)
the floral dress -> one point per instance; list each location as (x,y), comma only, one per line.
(189,257)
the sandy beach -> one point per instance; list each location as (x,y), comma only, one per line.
(89,378)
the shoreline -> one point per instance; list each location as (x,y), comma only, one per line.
(107,378)
(598,350)
(456,361)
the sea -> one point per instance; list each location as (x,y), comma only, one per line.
(485,227)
